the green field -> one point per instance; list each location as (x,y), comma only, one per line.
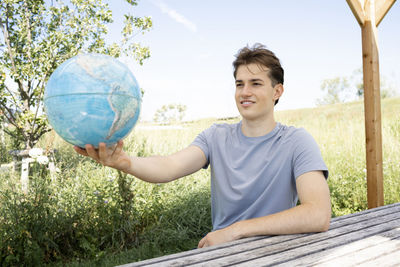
(92,216)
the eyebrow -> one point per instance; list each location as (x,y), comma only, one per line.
(252,80)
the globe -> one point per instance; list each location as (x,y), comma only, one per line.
(92,98)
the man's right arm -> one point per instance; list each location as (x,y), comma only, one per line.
(162,169)
(155,169)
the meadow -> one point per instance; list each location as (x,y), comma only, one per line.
(89,215)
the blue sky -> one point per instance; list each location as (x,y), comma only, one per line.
(193,44)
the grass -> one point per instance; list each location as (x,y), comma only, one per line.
(168,218)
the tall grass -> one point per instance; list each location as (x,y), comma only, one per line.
(93,215)
(340,131)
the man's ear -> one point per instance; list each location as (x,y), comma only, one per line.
(278,91)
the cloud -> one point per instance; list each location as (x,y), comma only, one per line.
(172,13)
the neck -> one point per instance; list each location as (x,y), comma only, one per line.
(257,128)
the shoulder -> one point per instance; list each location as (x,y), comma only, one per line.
(291,133)
(216,133)
(225,126)
(299,140)
(221,129)
(214,136)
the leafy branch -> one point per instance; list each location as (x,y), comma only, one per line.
(37,37)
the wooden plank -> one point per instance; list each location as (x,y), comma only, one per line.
(381,9)
(347,224)
(193,252)
(266,248)
(390,259)
(358,10)
(365,214)
(372,109)
(365,256)
(361,251)
(258,257)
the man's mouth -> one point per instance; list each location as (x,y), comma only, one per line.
(246,102)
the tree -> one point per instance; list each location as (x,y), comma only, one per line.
(36,38)
(170,113)
(335,91)
(386,88)
(350,88)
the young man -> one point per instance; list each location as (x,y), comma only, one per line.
(259,168)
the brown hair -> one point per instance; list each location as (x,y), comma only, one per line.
(258,54)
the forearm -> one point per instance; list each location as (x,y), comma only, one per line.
(312,215)
(162,169)
(300,219)
(155,169)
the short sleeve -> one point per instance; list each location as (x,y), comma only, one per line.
(203,141)
(307,155)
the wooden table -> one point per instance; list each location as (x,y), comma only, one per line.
(368,238)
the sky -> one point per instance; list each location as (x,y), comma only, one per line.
(193,44)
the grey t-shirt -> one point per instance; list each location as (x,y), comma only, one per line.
(256,176)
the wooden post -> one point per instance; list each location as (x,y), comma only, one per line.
(369,14)
(372,108)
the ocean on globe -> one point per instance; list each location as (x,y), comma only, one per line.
(92,98)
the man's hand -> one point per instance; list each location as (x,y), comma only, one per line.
(112,156)
(218,237)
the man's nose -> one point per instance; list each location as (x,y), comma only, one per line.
(246,90)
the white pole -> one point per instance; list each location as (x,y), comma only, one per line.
(25,174)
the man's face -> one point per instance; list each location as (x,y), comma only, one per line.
(255,96)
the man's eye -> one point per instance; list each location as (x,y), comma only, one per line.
(239,85)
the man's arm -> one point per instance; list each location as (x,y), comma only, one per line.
(312,215)
(155,169)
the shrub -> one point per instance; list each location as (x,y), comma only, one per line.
(87,210)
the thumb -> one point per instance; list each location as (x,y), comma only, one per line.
(202,242)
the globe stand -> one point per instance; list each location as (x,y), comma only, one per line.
(22,157)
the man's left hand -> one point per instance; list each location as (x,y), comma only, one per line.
(218,237)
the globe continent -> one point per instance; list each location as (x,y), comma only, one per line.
(92,98)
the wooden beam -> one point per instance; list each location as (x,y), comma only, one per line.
(369,16)
(381,9)
(358,10)
(372,107)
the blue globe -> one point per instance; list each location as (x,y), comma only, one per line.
(92,98)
